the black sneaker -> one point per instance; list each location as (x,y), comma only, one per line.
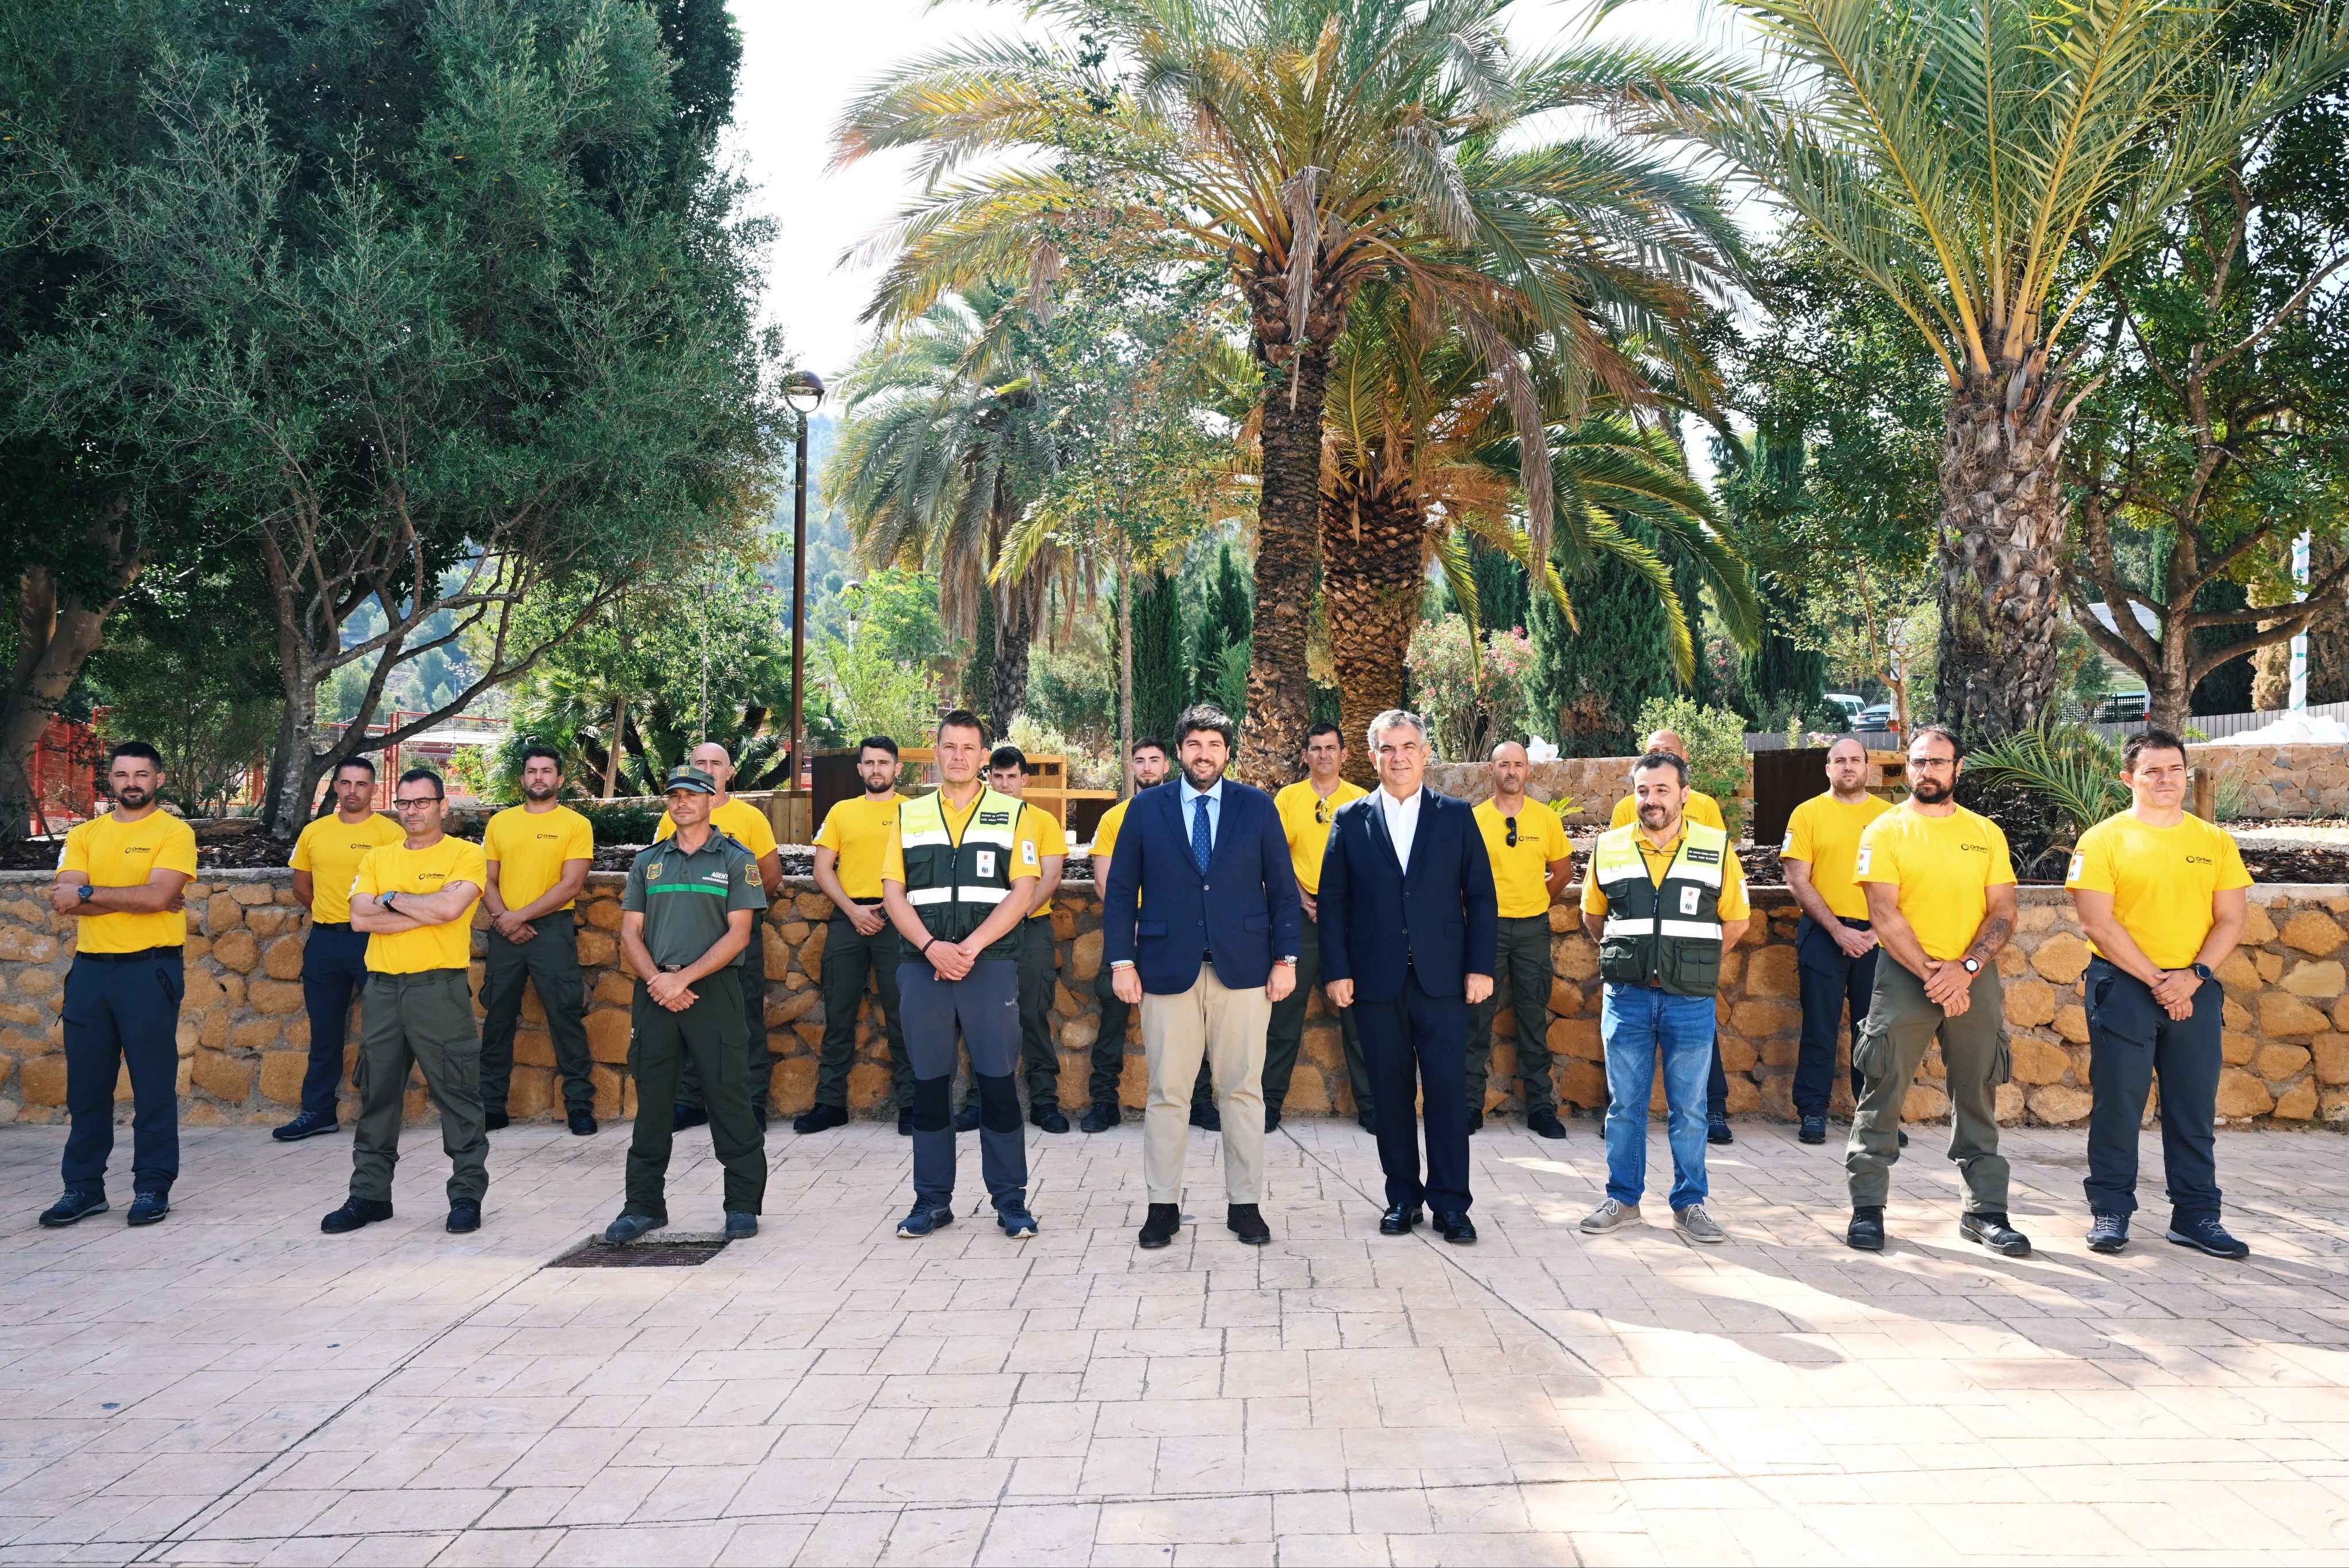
(631,1227)
(1017,1221)
(1105,1115)
(309,1124)
(823,1118)
(1207,1117)
(71,1207)
(355,1213)
(2205,1234)
(682,1116)
(496,1121)
(1159,1227)
(904,1124)
(966,1119)
(740,1226)
(464,1217)
(923,1220)
(583,1123)
(1049,1117)
(1814,1129)
(1993,1231)
(147,1208)
(2108,1233)
(1716,1130)
(1866,1232)
(1545,1124)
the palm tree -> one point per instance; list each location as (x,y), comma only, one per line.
(1303,149)
(1986,164)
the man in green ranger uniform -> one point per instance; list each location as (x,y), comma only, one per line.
(685,922)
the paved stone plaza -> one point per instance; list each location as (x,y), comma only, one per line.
(234,1387)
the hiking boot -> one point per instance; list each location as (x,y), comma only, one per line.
(823,1118)
(355,1213)
(1814,1129)
(1992,1232)
(309,1124)
(1717,1130)
(2108,1233)
(1866,1232)
(1048,1118)
(71,1207)
(966,1119)
(631,1227)
(1105,1115)
(740,1226)
(146,1208)
(1244,1221)
(2205,1234)
(1545,1124)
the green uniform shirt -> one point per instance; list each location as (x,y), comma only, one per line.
(686,898)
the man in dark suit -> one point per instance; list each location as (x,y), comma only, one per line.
(1200,929)
(1409,926)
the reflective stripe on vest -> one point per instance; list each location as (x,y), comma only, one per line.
(1666,934)
(957,883)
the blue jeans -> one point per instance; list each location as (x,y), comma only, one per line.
(1635,1022)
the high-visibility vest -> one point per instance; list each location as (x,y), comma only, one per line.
(954,885)
(1662,934)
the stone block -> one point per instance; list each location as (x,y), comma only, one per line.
(2030,1003)
(2234,1014)
(1308,1095)
(531,1093)
(1574,958)
(607,1036)
(1565,999)
(255,1033)
(2321,980)
(1744,1097)
(812,954)
(603,914)
(533,1048)
(1924,1103)
(613,989)
(211,1029)
(39,983)
(2007,1107)
(22,946)
(275,996)
(2289,1016)
(1737,1055)
(237,951)
(2061,958)
(1077,1033)
(2240,1094)
(2239,973)
(2276,1062)
(282,960)
(2297,1103)
(597,950)
(1322,1045)
(221,913)
(2012,963)
(1772,973)
(2259,929)
(2236,1048)
(2332,1052)
(271,921)
(222,1077)
(2038,1061)
(2270,965)
(1085,956)
(1133,1082)
(252,893)
(1577,1038)
(1583,1084)
(795,932)
(1064,921)
(533,1011)
(2072,1022)
(791,1008)
(810,906)
(42,1079)
(2313,932)
(608,1097)
(1760,1020)
(791,1085)
(2058,1106)
(281,1076)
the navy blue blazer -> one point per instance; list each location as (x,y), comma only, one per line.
(1441,920)
(1160,913)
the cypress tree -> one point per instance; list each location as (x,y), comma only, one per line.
(978,669)
(1783,670)
(1589,686)
(1162,686)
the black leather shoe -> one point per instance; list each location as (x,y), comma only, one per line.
(309,1124)
(1272,1119)
(1716,1130)
(966,1119)
(1475,1122)
(496,1121)
(2108,1233)
(1049,1119)
(1207,1117)
(759,1114)
(1245,1223)
(1399,1219)
(1105,1115)
(823,1118)
(1455,1228)
(2204,1234)
(1545,1124)
(1992,1232)
(1814,1129)
(355,1213)
(1866,1232)
(1159,1227)
(464,1217)
(741,1225)
(629,1227)
(583,1123)
(684,1115)
(71,1207)
(147,1208)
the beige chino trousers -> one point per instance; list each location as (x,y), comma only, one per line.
(1226,1026)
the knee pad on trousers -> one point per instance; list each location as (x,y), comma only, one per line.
(998,1103)
(933,1104)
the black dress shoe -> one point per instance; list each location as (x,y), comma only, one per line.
(1272,1119)
(823,1118)
(1866,1232)
(1545,1124)
(71,1207)
(147,1208)
(966,1119)
(355,1213)
(1159,1227)
(1049,1119)
(682,1116)
(1105,1115)
(309,1124)
(1814,1129)
(1993,1231)
(1456,1227)
(1475,1122)
(904,1124)
(1207,1117)
(1245,1223)
(1716,1130)
(464,1217)
(583,1123)
(496,1121)
(759,1114)
(1399,1219)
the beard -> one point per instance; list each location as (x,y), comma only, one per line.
(1932,792)
(545,793)
(133,796)
(1654,816)
(1203,775)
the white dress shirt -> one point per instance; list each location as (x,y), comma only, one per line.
(1402,823)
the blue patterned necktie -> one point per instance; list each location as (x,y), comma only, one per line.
(1202,845)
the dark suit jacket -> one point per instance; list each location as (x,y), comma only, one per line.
(1159,913)
(1441,919)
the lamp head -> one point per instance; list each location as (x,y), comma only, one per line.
(803,389)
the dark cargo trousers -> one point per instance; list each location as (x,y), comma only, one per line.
(424,1021)
(1285,1036)
(123,1010)
(1108,1046)
(334,971)
(849,957)
(1829,979)
(550,962)
(758,1059)
(708,1034)
(984,1007)
(2132,1039)
(1039,976)
(1523,962)
(1902,1025)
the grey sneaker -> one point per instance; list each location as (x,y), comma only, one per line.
(1610,1215)
(1697,1225)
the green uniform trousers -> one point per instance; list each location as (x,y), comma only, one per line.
(758,1060)
(1286,1033)
(550,962)
(850,955)
(709,1034)
(1108,1051)
(425,1020)
(1901,1026)
(1039,976)
(1524,965)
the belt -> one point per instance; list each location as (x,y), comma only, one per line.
(167,950)
(330,925)
(414,973)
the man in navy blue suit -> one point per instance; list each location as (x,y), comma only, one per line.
(1409,926)
(1200,929)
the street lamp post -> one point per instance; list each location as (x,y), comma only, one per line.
(803,390)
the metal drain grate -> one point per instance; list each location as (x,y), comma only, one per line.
(660,1252)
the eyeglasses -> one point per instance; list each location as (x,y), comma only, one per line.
(1511,825)
(413,801)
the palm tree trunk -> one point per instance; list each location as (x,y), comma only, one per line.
(2003,540)
(1014,631)
(1126,674)
(1280,690)
(1374,571)
(612,752)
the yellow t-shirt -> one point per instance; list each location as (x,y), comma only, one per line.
(1521,875)
(126,854)
(738,821)
(1039,836)
(1305,821)
(396,867)
(1944,868)
(2161,879)
(858,831)
(1825,832)
(530,849)
(1732,903)
(1105,832)
(893,856)
(1699,807)
(330,849)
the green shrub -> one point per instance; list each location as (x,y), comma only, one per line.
(1716,746)
(619,822)
(2045,788)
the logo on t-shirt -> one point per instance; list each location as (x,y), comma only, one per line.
(2079,869)
(985,865)
(1859,866)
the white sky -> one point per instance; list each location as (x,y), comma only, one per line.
(802,60)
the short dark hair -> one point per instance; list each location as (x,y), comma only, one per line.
(1150,743)
(2149,740)
(423,775)
(1956,747)
(1662,759)
(139,750)
(1321,727)
(1205,715)
(365,762)
(963,719)
(876,743)
(540,748)
(1007,756)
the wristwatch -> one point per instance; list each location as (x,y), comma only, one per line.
(384,904)
(89,891)
(1971,965)
(2202,972)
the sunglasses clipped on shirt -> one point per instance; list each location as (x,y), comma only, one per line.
(1510,823)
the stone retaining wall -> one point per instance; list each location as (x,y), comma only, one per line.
(2283,780)
(244,1035)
